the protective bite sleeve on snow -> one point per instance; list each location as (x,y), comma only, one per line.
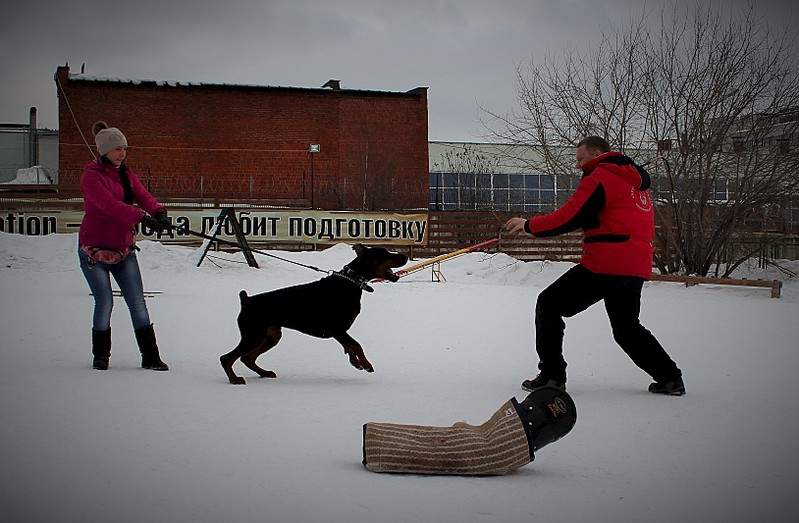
(502,444)
(498,446)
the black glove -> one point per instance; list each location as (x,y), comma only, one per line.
(155,224)
(162,217)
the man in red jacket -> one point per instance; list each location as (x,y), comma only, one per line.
(616,214)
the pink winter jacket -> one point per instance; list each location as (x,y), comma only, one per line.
(108,221)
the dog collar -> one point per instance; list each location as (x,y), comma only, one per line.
(353,277)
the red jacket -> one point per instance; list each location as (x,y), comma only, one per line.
(108,221)
(614,210)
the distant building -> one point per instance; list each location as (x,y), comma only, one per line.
(777,132)
(329,148)
(468,176)
(23,147)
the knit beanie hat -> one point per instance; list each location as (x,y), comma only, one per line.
(107,138)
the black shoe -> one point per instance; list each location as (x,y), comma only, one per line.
(156,364)
(100,363)
(543,381)
(672,388)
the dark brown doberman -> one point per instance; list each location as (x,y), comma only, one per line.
(325,308)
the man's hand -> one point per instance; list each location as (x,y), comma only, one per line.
(515,225)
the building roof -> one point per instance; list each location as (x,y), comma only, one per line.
(77,77)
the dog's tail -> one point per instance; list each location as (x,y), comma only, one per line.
(243,297)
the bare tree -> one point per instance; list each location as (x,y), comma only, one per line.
(710,100)
(468,159)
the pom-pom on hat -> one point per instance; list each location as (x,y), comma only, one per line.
(107,138)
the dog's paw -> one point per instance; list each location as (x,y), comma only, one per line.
(238,380)
(267,374)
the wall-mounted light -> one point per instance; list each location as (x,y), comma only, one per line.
(313,148)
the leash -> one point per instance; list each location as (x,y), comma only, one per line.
(346,273)
(234,244)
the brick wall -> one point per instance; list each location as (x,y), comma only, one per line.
(240,142)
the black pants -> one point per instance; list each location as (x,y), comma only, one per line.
(577,290)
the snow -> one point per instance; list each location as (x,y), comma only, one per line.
(33,176)
(135,445)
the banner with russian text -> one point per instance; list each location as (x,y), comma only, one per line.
(259,226)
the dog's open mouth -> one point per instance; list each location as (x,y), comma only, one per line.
(398,261)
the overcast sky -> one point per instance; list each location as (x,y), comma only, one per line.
(466,52)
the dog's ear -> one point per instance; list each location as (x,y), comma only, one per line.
(359,248)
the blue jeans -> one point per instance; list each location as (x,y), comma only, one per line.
(127,275)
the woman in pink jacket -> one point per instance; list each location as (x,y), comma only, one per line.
(107,243)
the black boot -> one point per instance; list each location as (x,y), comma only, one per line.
(548,414)
(145,337)
(101,348)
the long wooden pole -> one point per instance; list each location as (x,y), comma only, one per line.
(443,257)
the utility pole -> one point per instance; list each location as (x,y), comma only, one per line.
(312,150)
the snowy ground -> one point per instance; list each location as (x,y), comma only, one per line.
(135,445)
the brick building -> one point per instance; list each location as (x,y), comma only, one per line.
(243,142)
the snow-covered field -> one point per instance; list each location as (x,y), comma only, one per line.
(135,445)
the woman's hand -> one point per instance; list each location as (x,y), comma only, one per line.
(157,223)
(162,218)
